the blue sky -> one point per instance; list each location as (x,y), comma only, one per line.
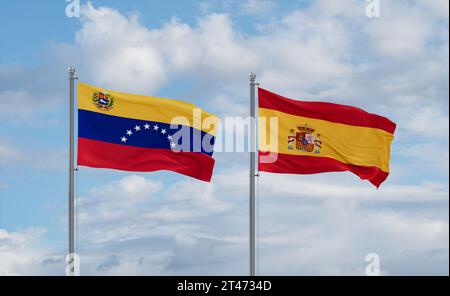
(202,51)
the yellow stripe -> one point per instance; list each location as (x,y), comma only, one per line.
(148,108)
(346,143)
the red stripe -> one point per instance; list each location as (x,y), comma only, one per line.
(100,154)
(302,164)
(326,111)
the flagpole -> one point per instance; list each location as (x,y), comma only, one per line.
(252,203)
(71,207)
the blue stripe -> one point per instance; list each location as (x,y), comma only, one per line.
(112,129)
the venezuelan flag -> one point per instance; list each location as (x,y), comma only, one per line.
(134,133)
(316,137)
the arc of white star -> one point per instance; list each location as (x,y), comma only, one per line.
(172,145)
(137,128)
(146,126)
(169,137)
(155,127)
(123,140)
(163,131)
(129,132)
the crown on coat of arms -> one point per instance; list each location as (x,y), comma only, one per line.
(305,128)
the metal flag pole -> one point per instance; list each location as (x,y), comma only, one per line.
(252,203)
(71,208)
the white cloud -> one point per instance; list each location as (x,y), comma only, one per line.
(439,8)
(9,154)
(141,59)
(432,155)
(257,7)
(131,188)
(277,185)
(24,253)
(397,33)
(136,199)
(200,195)
(108,38)
(116,200)
(30,95)
(213,51)
(49,159)
(227,105)
(12,155)
(9,100)
(336,241)
(310,53)
(426,121)
(306,226)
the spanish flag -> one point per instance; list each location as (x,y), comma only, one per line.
(316,137)
(134,133)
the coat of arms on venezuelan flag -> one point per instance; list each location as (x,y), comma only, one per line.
(102,101)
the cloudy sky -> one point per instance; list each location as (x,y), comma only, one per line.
(201,51)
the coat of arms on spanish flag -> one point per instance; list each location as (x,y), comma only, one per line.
(136,133)
(316,137)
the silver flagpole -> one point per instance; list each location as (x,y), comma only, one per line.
(252,78)
(71,247)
